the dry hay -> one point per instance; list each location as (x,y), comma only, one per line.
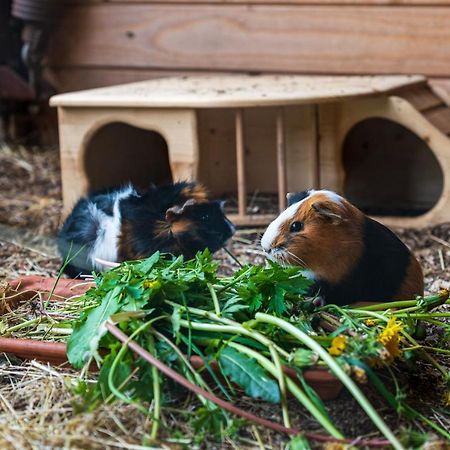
(37,405)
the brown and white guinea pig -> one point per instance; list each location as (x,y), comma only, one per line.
(124,224)
(350,257)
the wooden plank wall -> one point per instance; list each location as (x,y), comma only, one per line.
(106,42)
(115,41)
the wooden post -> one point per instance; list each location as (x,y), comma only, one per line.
(317,148)
(281,160)
(240,163)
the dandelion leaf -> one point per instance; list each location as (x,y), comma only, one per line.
(248,374)
(83,343)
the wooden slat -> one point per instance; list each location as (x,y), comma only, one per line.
(421,97)
(251,219)
(240,163)
(326,39)
(440,118)
(281,159)
(316,179)
(67,79)
(441,87)
(299,2)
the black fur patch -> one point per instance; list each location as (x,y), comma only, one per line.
(294,197)
(379,273)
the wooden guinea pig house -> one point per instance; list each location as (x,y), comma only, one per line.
(381,141)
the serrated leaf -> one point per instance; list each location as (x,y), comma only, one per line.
(247,373)
(147,265)
(83,342)
(277,302)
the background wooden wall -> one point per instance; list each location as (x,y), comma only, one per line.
(107,42)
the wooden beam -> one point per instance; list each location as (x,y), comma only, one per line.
(317,169)
(281,160)
(289,38)
(251,219)
(297,2)
(240,163)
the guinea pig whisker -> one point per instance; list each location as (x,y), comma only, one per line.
(296,258)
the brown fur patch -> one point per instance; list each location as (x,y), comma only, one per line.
(197,192)
(181,226)
(413,284)
(328,246)
(161,228)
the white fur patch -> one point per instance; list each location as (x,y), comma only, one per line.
(105,246)
(309,274)
(273,230)
(336,198)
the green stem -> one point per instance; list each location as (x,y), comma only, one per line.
(156,393)
(293,388)
(66,262)
(425,347)
(234,281)
(198,378)
(407,303)
(214,298)
(425,355)
(23,325)
(282,383)
(116,362)
(233,327)
(113,368)
(422,315)
(334,366)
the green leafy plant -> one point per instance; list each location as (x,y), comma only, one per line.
(245,329)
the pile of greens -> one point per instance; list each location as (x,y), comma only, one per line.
(250,325)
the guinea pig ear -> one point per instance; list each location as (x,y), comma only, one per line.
(175,212)
(324,211)
(295,197)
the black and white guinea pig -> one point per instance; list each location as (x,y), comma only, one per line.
(351,257)
(124,224)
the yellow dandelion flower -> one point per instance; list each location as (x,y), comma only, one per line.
(151,284)
(390,338)
(338,345)
(370,322)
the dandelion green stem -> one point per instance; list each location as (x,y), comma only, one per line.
(214,299)
(282,383)
(292,387)
(113,368)
(334,366)
(156,393)
(236,327)
(25,324)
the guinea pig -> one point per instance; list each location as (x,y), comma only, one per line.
(124,224)
(350,256)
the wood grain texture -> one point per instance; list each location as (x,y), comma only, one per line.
(441,87)
(299,2)
(440,118)
(236,91)
(322,39)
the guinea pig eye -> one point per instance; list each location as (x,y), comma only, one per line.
(296,227)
